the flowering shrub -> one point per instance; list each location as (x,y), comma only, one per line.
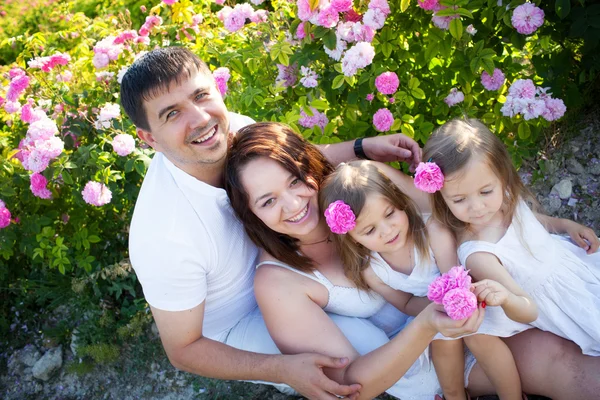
(71,165)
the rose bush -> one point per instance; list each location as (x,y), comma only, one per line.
(71,165)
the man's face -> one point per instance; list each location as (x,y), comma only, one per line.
(189,124)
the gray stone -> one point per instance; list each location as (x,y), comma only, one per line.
(563,189)
(75,341)
(29,355)
(574,167)
(551,204)
(21,361)
(594,168)
(48,364)
(550,167)
(154,329)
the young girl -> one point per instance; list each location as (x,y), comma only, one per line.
(384,245)
(507,247)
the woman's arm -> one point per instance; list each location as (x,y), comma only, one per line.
(405,302)
(407,186)
(298,324)
(496,287)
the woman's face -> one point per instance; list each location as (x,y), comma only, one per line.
(279,198)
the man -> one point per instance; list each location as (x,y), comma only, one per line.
(191,255)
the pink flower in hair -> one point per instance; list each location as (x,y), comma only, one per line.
(460,303)
(429,177)
(339,217)
(438,288)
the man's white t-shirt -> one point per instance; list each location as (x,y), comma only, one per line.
(187,246)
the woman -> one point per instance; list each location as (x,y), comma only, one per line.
(272,179)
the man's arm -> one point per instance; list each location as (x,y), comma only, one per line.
(385,148)
(188,350)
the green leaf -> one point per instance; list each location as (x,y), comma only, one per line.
(67,177)
(404,5)
(93,239)
(386,48)
(413,83)
(456,28)
(408,130)
(418,93)
(396,125)
(463,12)
(330,40)
(319,104)
(563,8)
(488,65)
(524,130)
(338,81)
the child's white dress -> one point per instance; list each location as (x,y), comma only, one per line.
(565,287)
(495,323)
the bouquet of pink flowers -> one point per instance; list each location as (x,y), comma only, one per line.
(452,289)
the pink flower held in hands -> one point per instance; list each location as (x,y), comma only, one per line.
(387,83)
(383,120)
(4,215)
(527,18)
(38,186)
(459,278)
(96,194)
(493,82)
(460,304)
(429,177)
(438,288)
(340,218)
(454,97)
(123,144)
(222,76)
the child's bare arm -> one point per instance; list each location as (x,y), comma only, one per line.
(405,302)
(582,235)
(443,245)
(496,287)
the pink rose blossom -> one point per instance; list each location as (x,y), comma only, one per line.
(259,16)
(374,18)
(522,89)
(65,76)
(527,18)
(96,194)
(392,100)
(106,50)
(16,87)
(493,82)
(170,2)
(459,278)
(309,77)
(340,218)
(454,97)
(220,2)
(358,56)
(304,11)
(4,215)
(438,289)
(50,148)
(222,76)
(109,111)
(387,83)
(429,177)
(428,5)
(555,109)
(300,32)
(336,53)
(14,72)
(143,9)
(460,304)
(471,30)
(123,144)
(38,187)
(533,109)
(328,17)
(370,97)
(383,120)
(12,107)
(125,36)
(257,2)
(43,128)
(310,121)
(341,5)
(234,21)
(381,5)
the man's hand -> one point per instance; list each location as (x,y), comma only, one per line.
(397,147)
(583,236)
(304,372)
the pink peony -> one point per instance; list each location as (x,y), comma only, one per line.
(381,5)
(38,186)
(454,97)
(328,17)
(493,82)
(304,11)
(14,72)
(125,36)
(222,76)
(438,289)
(339,217)
(341,5)
(96,194)
(44,128)
(428,5)
(429,177)
(383,120)
(109,111)
(123,144)
(358,56)
(374,18)
(522,89)
(387,83)
(460,303)
(555,109)
(459,278)
(234,21)
(527,18)
(4,215)
(12,107)
(16,87)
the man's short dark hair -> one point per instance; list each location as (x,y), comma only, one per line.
(151,75)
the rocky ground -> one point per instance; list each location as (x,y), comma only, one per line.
(565,178)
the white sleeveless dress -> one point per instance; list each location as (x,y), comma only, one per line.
(495,323)
(564,282)
(420,381)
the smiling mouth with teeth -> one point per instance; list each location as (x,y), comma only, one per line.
(299,216)
(204,138)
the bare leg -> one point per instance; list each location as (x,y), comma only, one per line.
(448,358)
(554,367)
(497,361)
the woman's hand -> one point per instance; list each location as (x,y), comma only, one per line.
(441,322)
(397,147)
(583,236)
(491,292)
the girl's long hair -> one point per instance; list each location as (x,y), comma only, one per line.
(353,183)
(280,143)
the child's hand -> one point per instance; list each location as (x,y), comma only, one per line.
(490,292)
(583,236)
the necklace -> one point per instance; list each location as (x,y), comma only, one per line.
(326,240)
